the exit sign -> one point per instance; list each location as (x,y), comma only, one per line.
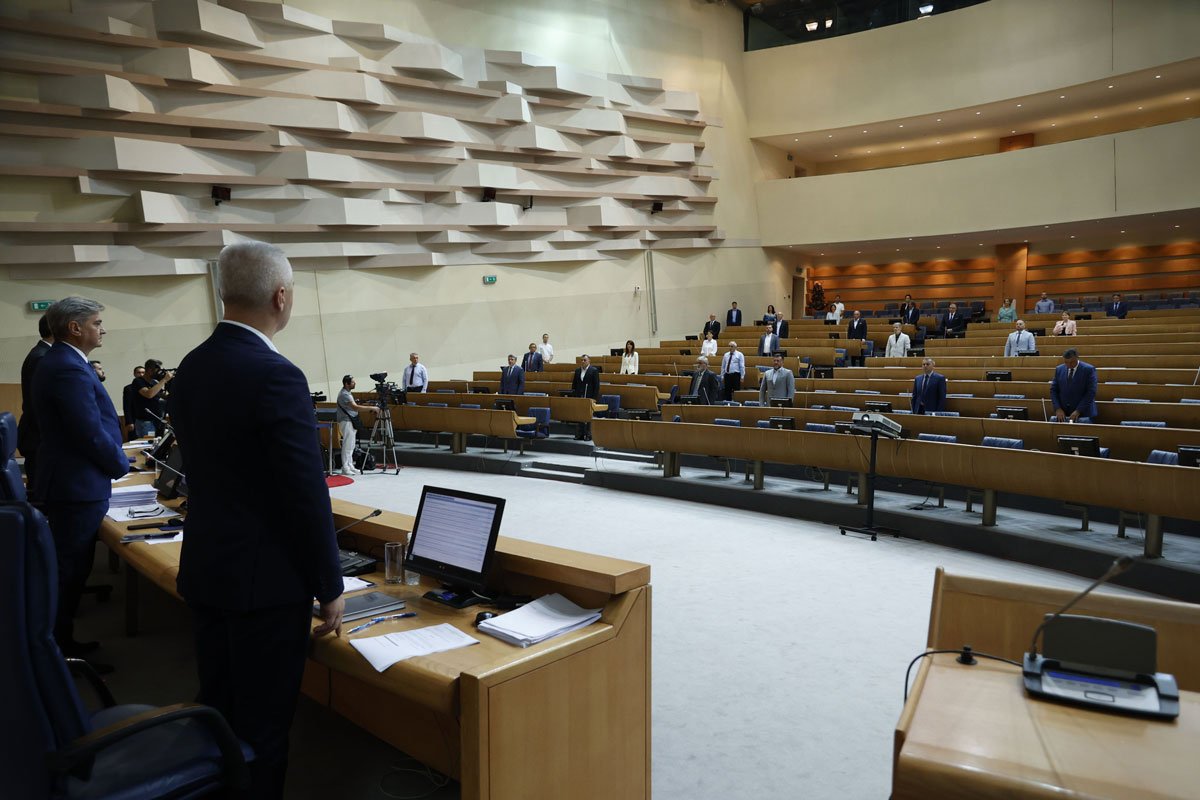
(488,280)
(40,305)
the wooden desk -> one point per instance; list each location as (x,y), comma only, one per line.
(974,733)
(565,718)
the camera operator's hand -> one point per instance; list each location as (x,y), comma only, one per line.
(168,376)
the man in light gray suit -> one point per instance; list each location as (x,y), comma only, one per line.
(777,383)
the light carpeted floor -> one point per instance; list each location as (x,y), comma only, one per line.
(779,645)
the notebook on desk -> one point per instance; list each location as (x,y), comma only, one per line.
(369,604)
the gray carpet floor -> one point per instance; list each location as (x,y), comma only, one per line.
(779,646)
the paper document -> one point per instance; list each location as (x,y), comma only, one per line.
(176,538)
(352,584)
(139,494)
(540,620)
(383,651)
(144,513)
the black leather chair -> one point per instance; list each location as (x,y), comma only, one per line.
(56,747)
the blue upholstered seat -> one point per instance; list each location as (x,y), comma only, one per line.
(1143,423)
(1129,400)
(736,423)
(1003,441)
(937,437)
(819,427)
(468,405)
(945,413)
(12,488)
(539,429)
(613,401)
(1163,457)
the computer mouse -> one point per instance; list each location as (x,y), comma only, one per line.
(482,615)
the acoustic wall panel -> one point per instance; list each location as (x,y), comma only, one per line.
(349,144)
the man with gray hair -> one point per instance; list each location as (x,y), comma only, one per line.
(258,542)
(705,386)
(79,456)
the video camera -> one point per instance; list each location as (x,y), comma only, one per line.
(387,392)
(317,397)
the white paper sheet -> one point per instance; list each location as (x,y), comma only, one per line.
(352,584)
(176,538)
(383,651)
(141,513)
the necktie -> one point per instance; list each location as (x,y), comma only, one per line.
(725,366)
(409,382)
(1070,375)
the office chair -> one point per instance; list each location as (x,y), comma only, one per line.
(63,750)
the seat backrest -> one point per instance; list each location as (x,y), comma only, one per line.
(1143,423)
(1130,400)
(1003,441)
(541,414)
(1192,401)
(945,413)
(937,437)
(29,590)
(763,423)
(1009,396)
(866,391)
(468,405)
(1163,457)
(737,423)
(436,405)
(613,401)
(843,408)
(8,435)
(819,427)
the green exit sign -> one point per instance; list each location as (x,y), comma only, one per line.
(40,305)
(488,280)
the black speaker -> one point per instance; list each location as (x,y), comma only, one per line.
(656,207)
(221,194)
(489,194)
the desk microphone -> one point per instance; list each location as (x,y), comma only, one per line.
(163,463)
(1121,565)
(374,513)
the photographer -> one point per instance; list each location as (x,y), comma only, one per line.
(348,422)
(150,399)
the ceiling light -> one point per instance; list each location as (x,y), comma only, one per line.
(939,141)
(939,119)
(795,140)
(926,8)
(903,146)
(830,136)
(810,26)
(974,137)
(1018,105)
(977,113)
(1062,97)
(864,131)
(835,155)
(1158,76)
(1052,124)
(828,23)
(1072,236)
(868,152)
(1140,108)
(1176,226)
(1014,131)
(1122,231)
(1095,116)
(1110,86)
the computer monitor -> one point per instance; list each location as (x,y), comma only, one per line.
(171,482)
(882,406)
(161,450)
(822,371)
(684,352)
(691,338)
(616,351)
(1012,412)
(504,404)
(1029,353)
(689,399)
(999,375)
(566,393)
(454,541)
(1079,445)
(480,390)
(781,402)
(783,423)
(1189,456)
(830,321)
(835,336)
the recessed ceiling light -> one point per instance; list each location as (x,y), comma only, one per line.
(901,126)
(1018,105)
(1014,131)
(830,136)
(1176,226)
(868,152)
(1053,124)
(1140,108)
(1122,231)
(859,252)
(939,141)
(974,137)
(1158,76)
(835,155)
(795,140)
(1095,116)
(1062,97)
(1072,236)
(864,131)
(1110,86)
(939,119)
(1045,226)
(977,113)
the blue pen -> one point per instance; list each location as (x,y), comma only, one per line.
(378,620)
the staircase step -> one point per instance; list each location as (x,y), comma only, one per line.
(550,465)
(625,455)
(550,475)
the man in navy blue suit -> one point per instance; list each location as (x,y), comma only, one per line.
(79,455)
(258,542)
(533,362)
(1117,308)
(929,390)
(28,437)
(733,316)
(1073,390)
(512,378)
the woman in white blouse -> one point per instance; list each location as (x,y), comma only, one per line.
(898,343)
(629,359)
(709,346)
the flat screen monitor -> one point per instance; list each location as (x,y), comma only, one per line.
(161,450)
(1079,445)
(480,390)
(171,482)
(504,404)
(690,338)
(616,351)
(454,541)
(685,352)
(783,423)
(689,399)
(999,375)
(844,426)
(566,393)
(882,406)
(835,336)
(830,321)
(822,372)
(1012,412)
(781,402)
(1189,456)
(1029,353)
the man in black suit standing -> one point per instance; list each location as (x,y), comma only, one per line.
(780,326)
(954,323)
(79,455)
(258,542)
(1117,308)
(28,436)
(910,312)
(713,326)
(705,385)
(733,316)
(857,329)
(585,382)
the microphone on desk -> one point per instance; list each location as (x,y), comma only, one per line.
(162,462)
(1121,565)
(374,513)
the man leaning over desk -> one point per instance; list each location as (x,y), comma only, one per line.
(258,541)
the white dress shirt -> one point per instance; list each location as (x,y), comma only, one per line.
(416,376)
(547,351)
(708,347)
(733,361)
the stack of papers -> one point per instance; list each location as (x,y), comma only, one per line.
(383,651)
(540,620)
(140,494)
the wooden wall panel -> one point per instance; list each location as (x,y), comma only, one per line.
(1128,270)
(871,286)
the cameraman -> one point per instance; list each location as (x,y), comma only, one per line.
(150,399)
(348,422)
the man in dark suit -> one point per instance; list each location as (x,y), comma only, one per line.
(733,316)
(532,362)
(1073,390)
(585,382)
(712,326)
(28,437)
(705,385)
(857,329)
(258,542)
(128,403)
(1117,308)
(954,323)
(929,390)
(512,378)
(910,311)
(780,327)
(768,343)
(79,455)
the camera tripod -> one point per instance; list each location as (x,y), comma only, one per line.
(384,437)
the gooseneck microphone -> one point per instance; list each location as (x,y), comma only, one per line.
(374,513)
(162,462)
(1122,564)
